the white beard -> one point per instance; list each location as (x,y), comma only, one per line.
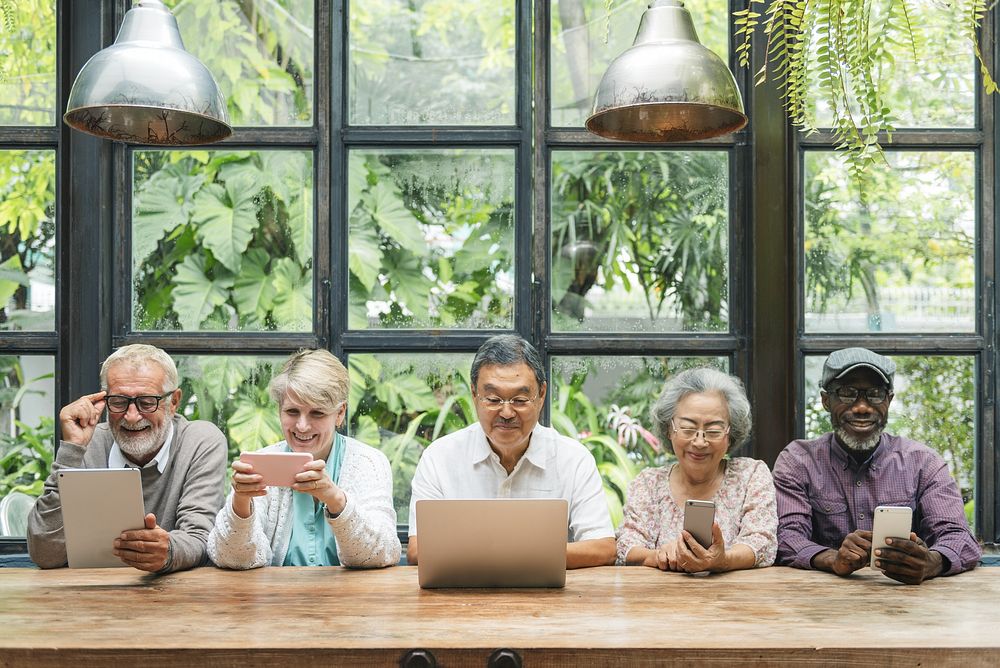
(866,445)
(138,445)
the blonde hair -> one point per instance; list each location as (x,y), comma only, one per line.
(316,377)
(138,355)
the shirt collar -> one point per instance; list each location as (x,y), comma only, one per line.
(117,460)
(537,452)
(841,454)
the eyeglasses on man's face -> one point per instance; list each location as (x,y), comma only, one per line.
(713,435)
(146,403)
(848,395)
(494,403)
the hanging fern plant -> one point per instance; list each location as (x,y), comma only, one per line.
(834,53)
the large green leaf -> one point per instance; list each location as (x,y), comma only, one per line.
(300,222)
(293,295)
(367,431)
(226,220)
(286,172)
(364,255)
(163,203)
(407,282)
(385,205)
(251,427)
(253,290)
(195,294)
(406,392)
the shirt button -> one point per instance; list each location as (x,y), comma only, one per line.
(858,483)
(861,516)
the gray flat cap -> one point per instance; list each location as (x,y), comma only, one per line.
(840,362)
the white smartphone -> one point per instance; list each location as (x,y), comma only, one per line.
(698,519)
(890,522)
(278,468)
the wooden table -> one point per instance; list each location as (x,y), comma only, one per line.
(604,616)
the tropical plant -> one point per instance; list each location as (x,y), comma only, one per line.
(844,56)
(26,450)
(653,221)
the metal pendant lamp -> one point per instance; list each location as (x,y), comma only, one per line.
(146,88)
(667,87)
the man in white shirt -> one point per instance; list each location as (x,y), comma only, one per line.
(507,454)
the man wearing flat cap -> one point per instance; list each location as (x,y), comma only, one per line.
(828,488)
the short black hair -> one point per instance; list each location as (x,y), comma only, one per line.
(507,349)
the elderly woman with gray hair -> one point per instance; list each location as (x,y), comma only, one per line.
(339,509)
(701,416)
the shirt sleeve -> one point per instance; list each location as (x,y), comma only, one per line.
(589,518)
(241,543)
(366,528)
(641,521)
(759,516)
(795,545)
(425,485)
(943,526)
(200,498)
(46,540)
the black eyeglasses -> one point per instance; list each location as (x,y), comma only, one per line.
(147,403)
(849,395)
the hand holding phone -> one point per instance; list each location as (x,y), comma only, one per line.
(277,468)
(890,522)
(698,519)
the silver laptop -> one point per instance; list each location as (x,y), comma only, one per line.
(492,542)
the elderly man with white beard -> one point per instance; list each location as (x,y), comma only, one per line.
(182,464)
(828,488)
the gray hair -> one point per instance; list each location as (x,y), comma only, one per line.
(704,380)
(138,355)
(504,350)
(316,377)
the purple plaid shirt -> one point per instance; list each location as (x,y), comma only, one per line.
(823,495)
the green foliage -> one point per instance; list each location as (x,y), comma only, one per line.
(27,62)
(653,221)
(27,233)
(219,240)
(430,239)
(842,54)
(400,405)
(26,451)
(264,65)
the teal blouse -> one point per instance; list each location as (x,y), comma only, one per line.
(312,542)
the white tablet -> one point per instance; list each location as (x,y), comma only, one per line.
(97,505)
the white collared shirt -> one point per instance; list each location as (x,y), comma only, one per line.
(462,465)
(117,460)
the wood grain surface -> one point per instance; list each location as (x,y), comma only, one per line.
(604,616)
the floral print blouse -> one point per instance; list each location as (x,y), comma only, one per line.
(744,509)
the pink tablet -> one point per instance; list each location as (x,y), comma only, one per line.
(278,468)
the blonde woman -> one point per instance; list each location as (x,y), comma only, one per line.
(338,512)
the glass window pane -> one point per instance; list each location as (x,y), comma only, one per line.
(899,257)
(431,238)
(27,427)
(640,241)
(401,402)
(28,62)
(222,240)
(604,403)
(27,240)
(231,392)
(264,64)
(432,62)
(586,38)
(934,403)
(940,90)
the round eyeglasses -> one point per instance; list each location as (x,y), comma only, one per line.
(849,395)
(146,403)
(713,435)
(493,403)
